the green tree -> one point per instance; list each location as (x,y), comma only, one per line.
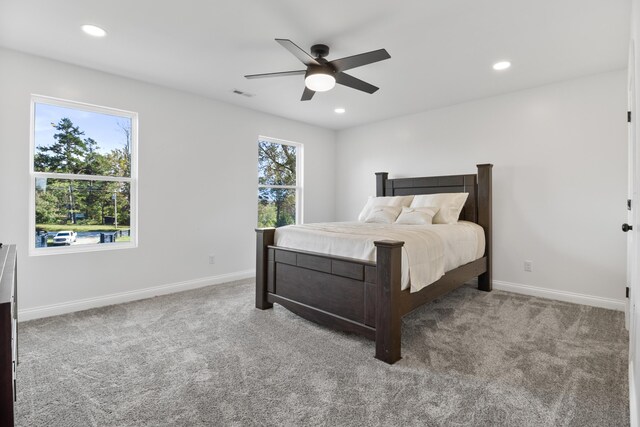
(277,166)
(60,200)
(266,215)
(89,193)
(125,153)
(94,163)
(48,209)
(276,163)
(67,154)
(120,161)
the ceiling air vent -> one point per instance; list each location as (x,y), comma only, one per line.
(239,92)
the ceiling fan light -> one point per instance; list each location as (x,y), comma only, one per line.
(320,82)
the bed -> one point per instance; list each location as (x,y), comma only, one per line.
(365,296)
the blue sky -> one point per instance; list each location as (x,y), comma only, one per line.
(101,127)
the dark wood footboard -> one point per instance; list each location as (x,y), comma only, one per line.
(365,297)
(264,238)
(338,292)
(388,313)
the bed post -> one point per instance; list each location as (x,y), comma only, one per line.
(485,219)
(388,316)
(264,238)
(381,183)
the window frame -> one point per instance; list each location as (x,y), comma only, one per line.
(299,187)
(33,176)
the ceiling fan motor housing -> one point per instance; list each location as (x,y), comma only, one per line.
(324,73)
(320,69)
(320,50)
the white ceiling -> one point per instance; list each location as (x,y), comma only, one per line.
(441,50)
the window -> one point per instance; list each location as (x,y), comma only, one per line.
(83,177)
(279,182)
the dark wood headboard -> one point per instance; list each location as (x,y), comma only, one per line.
(432,185)
(479,186)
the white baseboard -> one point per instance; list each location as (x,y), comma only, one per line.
(610,303)
(85,304)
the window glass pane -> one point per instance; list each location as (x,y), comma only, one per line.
(276,207)
(69,140)
(76,212)
(276,163)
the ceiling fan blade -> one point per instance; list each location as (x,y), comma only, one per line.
(279,74)
(354,61)
(350,81)
(307,94)
(298,52)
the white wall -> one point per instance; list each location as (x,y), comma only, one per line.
(559,181)
(560,178)
(197,185)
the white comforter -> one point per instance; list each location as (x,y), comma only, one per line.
(428,252)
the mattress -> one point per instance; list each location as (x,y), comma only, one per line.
(429,251)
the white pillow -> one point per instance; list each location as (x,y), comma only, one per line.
(417,216)
(383,201)
(449,204)
(383,214)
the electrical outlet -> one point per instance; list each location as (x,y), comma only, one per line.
(528,266)
(212,259)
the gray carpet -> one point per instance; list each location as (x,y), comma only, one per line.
(207,357)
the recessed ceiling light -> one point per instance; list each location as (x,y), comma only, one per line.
(502,65)
(340,110)
(94,31)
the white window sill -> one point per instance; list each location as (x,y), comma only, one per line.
(74,249)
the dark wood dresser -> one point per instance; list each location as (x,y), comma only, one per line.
(8,333)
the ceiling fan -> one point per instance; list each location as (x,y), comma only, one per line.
(322,75)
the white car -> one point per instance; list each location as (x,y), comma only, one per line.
(65,237)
